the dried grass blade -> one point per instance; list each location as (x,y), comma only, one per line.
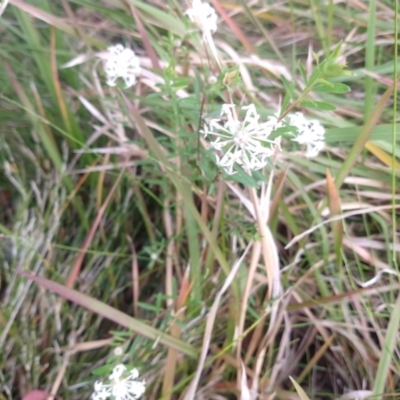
(335,210)
(382,155)
(145,38)
(302,394)
(79,260)
(56,81)
(244,389)
(42,15)
(314,360)
(235,29)
(53,21)
(190,394)
(172,358)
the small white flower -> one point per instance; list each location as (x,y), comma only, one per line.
(212,80)
(204,16)
(246,142)
(118,351)
(123,385)
(121,62)
(310,133)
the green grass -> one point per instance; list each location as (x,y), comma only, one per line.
(118,229)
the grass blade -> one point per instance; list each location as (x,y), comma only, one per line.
(387,351)
(112,314)
(363,137)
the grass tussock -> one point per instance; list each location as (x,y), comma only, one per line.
(123,242)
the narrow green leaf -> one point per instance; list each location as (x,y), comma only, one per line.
(303,72)
(363,137)
(286,102)
(162,19)
(318,105)
(289,86)
(336,51)
(387,351)
(370,85)
(155,15)
(242,177)
(332,88)
(350,134)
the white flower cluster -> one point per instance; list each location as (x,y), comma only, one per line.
(204,16)
(123,385)
(244,143)
(248,144)
(310,133)
(121,62)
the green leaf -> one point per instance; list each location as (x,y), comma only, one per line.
(388,358)
(363,137)
(285,102)
(322,81)
(332,69)
(314,76)
(303,72)
(336,52)
(316,57)
(242,177)
(318,105)
(179,83)
(103,370)
(289,95)
(332,88)
(289,87)
(350,134)
(153,15)
(285,131)
(259,176)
